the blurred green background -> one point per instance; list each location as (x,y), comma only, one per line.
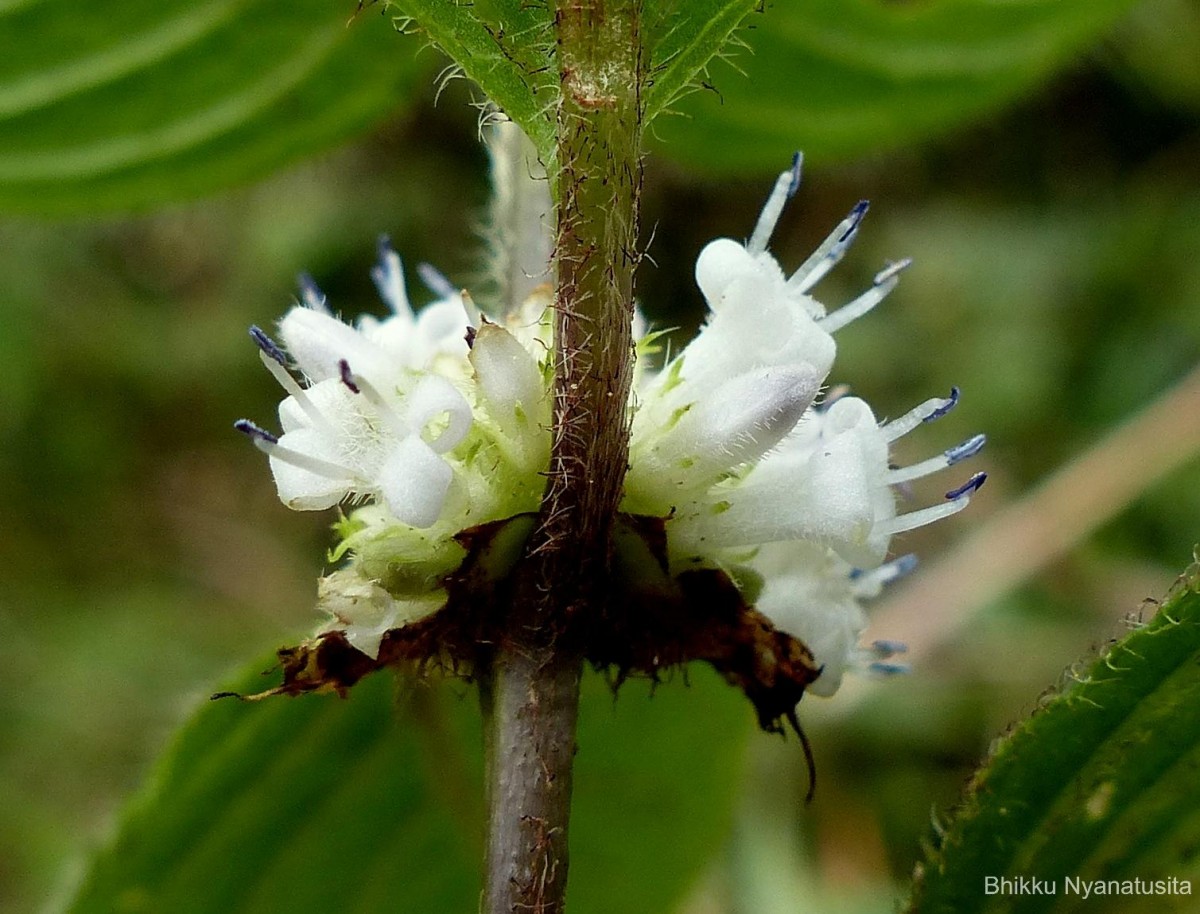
(145,555)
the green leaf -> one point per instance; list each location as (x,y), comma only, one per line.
(844,77)
(131,104)
(683,36)
(1100,784)
(374,803)
(504,47)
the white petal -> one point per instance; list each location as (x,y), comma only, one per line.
(433,398)
(720,263)
(826,491)
(737,422)
(301,488)
(442,327)
(807,594)
(413,482)
(318,343)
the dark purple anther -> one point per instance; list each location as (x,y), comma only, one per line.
(885,648)
(347,376)
(889,669)
(267,345)
(246,427)
(970,486)
(942,410)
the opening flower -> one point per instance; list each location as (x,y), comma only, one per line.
(741,474)
(756,475)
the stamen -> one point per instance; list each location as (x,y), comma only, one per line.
(829,252)
(347,377)
(884,648)
(956,454)
(892,269)
(435,280)
(926,412)
(968,448)
(913,519)
(297,393)
(388,275)
(950,404)
(889,669)
(375,398)
(968,488)
(868,584)
(269,444)
(785,186)
(310,294)
(255,432)
(315,465)
(885,280)
(267,345)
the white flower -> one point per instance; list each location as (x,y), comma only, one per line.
(365,611)
(439,421)
(433,434)
(729,443)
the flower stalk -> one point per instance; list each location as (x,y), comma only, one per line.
(530,685)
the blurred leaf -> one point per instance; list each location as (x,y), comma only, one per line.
(844,77)
(656,778)
(132,104)
(371,804)
(1160,42)
(1098,784)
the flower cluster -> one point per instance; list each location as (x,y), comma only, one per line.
(438,422)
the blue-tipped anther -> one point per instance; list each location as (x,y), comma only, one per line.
(797,162)
(246,427)
(955,393)
(856,218)
(969,487)
(885,648)
(383,246)
(892,270)
(889,669)
(435,280)
(902,566)
(347,376)
(968,448)
(309,290)
(267,345)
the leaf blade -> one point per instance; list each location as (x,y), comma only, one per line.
(364,804)
(1094,782)
(151,102)
(840,79)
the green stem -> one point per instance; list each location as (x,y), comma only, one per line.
(532,681)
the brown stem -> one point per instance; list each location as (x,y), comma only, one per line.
(532,680)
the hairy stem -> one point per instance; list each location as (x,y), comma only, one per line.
(532,682)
